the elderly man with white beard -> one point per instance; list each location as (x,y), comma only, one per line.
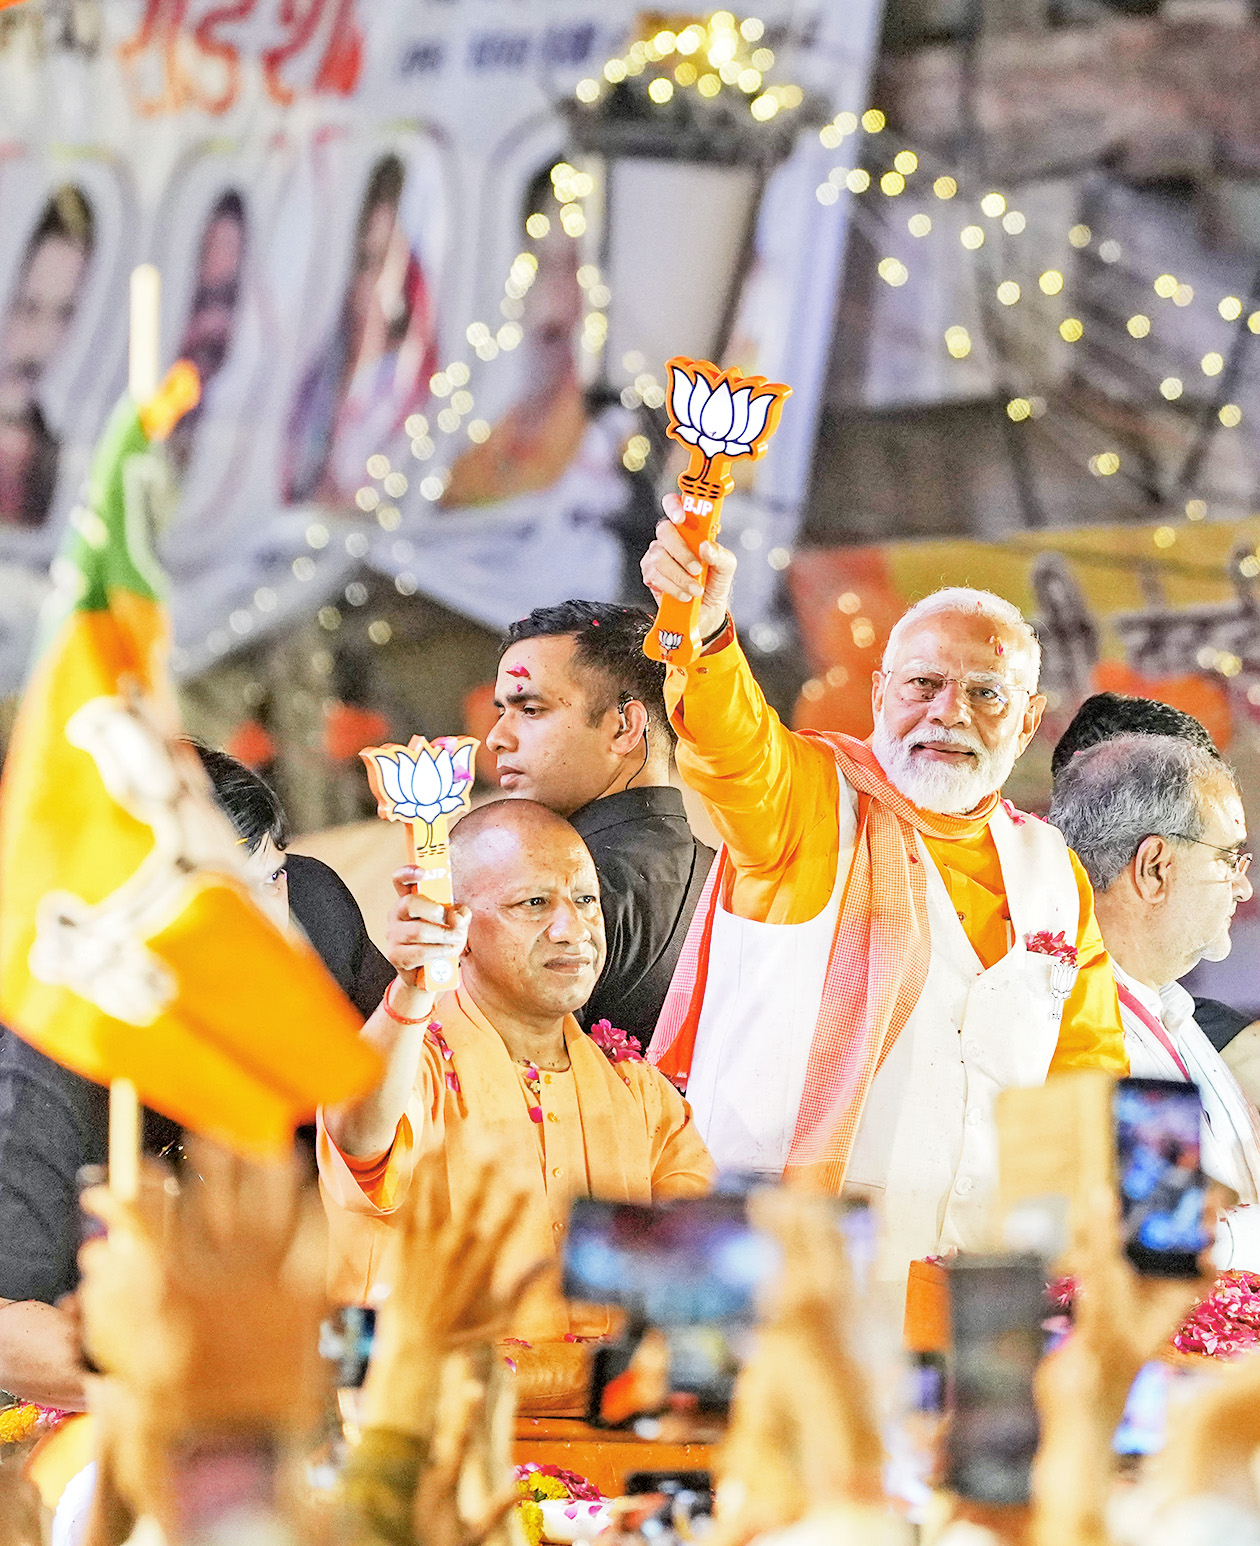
(884,943)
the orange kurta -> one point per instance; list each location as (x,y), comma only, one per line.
(619,1131)
(774,795)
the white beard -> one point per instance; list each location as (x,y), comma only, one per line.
(936,786)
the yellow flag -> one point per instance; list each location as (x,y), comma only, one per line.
(129,946)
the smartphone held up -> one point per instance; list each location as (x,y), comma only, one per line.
(1163,1189)
(687,1275)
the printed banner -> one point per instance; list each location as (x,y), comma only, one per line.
(425,276)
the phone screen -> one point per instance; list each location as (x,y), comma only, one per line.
(1163,1191)
(1159,1390)
(345,1340)
(693,1261)
(997,1308)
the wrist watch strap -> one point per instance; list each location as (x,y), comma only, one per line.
(720,638)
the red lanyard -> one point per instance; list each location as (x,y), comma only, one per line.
(1152,1024)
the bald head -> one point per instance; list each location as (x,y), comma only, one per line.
(536,940)
(486,837)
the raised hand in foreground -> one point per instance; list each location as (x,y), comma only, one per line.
(1121,1320)
(445,1294)
(435,1461)
(670,568)
(201,1306)
(804,1444)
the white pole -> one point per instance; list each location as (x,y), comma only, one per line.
(124,1140)
(146,295)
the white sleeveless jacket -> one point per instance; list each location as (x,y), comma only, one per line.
(927,1139)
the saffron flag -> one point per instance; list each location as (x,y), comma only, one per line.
(129,946)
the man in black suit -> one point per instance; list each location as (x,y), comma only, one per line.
(53,1121)
(583,730)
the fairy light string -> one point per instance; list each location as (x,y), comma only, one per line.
(723,58)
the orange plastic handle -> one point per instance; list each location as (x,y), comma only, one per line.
(403,794)
(675,636)
(433,861)
(719,415)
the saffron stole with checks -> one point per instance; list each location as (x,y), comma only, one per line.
(876,969)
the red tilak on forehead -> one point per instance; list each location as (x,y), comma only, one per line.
(517,671)
(997,644)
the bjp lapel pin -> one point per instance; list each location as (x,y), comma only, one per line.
(718,415)
(421,785)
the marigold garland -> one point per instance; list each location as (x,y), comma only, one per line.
(538,1484)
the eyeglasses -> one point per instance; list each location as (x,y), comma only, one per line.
(1237,860)
(984,695)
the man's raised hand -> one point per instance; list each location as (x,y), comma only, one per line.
(421,931)
(670,568)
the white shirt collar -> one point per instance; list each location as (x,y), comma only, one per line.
(1172,1006)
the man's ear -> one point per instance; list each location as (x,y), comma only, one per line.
(1151,869)
(632,727)
(878,683)
(1033,711)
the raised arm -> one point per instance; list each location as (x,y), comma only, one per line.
(419,931)
(771,793)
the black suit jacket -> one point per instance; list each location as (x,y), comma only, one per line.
(651,872)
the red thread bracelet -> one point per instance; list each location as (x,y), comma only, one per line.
(393,1013)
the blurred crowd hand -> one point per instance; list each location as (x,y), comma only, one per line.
(1121,1320)
(201,1306)
(444,1293)
(1211,1450)
(670,568)
(20,1523)
(804,1442)
(435,1382)
(468,1487)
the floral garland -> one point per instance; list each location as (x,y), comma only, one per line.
(1224,1324)
(433,1033)
(18,1422)
(538,1484)
(533,1082)
(1043,943)
(616,1046)
(21,1420)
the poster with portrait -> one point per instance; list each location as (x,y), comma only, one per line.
(397,297)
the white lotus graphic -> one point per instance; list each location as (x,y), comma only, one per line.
(715,418)
(425,784)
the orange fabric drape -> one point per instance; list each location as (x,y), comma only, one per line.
(877,968)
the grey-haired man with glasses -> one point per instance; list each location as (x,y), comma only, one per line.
(1159,825)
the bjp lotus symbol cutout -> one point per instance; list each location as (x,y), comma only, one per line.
(421,784)
(719,415)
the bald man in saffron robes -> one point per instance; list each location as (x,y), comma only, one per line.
(502,1062)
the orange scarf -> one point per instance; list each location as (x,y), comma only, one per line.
(878,964)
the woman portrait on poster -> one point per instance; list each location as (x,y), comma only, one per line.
(210,326)
(373,368)
(540,434)
(40,310)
